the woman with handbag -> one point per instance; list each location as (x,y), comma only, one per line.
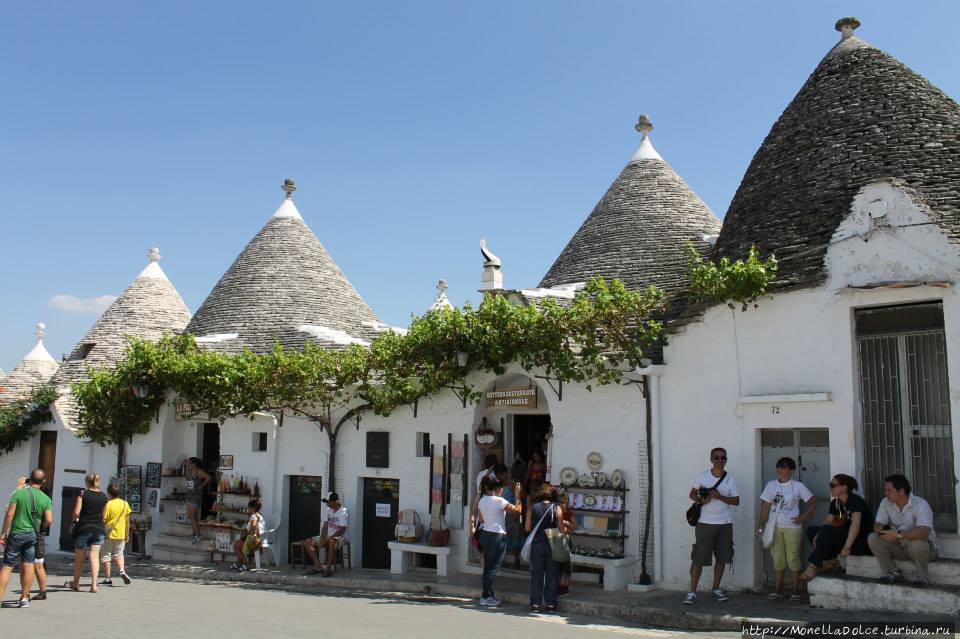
(849,523)
(251,541)
(544,569)
(781,524)
(493,534)
(89,531)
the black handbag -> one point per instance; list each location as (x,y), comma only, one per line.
(693,513)
(39,548)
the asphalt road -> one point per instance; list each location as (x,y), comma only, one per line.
(150,609)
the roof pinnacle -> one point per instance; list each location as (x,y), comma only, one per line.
(644,126)
(289,187)
(846,26)
(154,255)
(41,331)
(442,287)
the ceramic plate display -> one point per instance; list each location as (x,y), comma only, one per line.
(606,503)
(586,480)
(576,500)
(594,461)
(589,501)
(616,479)
(602,481)
(568,476)
(616,504)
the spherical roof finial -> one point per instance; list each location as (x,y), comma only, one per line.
(289,187)
(846,26)
(644,125)
(154,254)
(442,286)
(41,330)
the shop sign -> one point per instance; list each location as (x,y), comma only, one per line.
(525,397)
(184,413)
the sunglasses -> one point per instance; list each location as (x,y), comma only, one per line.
(719,458)
(833,484)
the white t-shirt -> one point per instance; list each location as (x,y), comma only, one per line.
(486,472)
(338,517)
(494,516)
(916,513)
(716,511)
(785,500)
(256,524)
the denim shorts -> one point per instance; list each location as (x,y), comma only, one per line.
(19,547)
(86,538)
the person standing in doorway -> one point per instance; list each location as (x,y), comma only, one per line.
(331,536)
(116,519)
(493,534)
(29,511)
(780,507)
(716,491)
(536,470)
(88,531)
(197,481)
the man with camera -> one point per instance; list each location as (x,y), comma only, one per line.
(29,511)
(716,492)
(903,529)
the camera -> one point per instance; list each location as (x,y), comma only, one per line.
(703,493)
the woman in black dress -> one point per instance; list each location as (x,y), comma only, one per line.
(849,523)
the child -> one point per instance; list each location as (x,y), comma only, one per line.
(116,519)
(250,542)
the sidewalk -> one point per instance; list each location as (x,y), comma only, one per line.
(657,608)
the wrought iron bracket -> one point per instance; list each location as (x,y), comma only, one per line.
(643,384)
(462,392)
(557,390)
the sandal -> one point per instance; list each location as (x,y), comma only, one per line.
(774,595)
(72,586)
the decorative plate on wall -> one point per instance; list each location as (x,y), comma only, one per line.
(594,461)
(589,501)
(602,480)
(586,481)
(568,476)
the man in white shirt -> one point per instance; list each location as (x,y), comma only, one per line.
(716,491)
(903,529)
(330,537)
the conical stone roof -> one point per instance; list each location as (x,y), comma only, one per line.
(284,287)
(148,309)
(861,116)
(34,370)
(639,229)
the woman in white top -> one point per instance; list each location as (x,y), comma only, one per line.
(780,507)
(493,533)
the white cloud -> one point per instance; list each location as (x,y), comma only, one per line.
(81,305)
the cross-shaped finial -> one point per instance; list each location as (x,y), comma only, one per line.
(644,125)
(289,187)
(442,286)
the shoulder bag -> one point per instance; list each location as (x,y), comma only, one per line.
(558,541)
(528,544)
(842,518)
(770,528)
(39,549)
(693,513)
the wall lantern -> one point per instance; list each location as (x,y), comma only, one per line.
(463,357)
(140,391)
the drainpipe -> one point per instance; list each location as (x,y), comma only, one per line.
(654,391)
(276,466)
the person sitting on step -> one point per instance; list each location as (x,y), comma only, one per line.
(903,530)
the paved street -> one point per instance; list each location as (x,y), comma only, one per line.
(151,608)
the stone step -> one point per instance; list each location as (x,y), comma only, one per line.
(857,593)
(164,552)
(186,543)
(943,572)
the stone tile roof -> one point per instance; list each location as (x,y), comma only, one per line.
(638,230)
(861,116)
(284,287)
(33,371)
(148,309)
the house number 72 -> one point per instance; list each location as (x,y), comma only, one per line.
(775,410)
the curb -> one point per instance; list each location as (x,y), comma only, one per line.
(632,613)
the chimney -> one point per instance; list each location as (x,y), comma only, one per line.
(492,278)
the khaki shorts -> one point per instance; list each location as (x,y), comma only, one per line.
(785,549)
(112,549)
(712,540)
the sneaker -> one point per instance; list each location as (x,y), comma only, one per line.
(24,603)
(126,578)
(485,601)
(690,599)
(920,582)
(493,602)
(106,582)
(891,577)
(195,540)
(234,566)
(534,608)
(243,568)
(719,595)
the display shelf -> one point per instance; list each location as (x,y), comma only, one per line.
(238,493)
(608,489)
(598,535)
(611,513)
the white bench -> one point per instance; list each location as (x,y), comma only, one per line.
(617,573)
(401,556)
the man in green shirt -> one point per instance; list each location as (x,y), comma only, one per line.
(27,509)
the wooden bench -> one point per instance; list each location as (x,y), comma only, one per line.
(401,556)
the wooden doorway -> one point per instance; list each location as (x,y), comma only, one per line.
(48,458)
(306,507)
(381,498)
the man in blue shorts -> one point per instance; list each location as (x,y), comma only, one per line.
(29,510)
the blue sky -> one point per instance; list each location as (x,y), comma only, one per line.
(412,130)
